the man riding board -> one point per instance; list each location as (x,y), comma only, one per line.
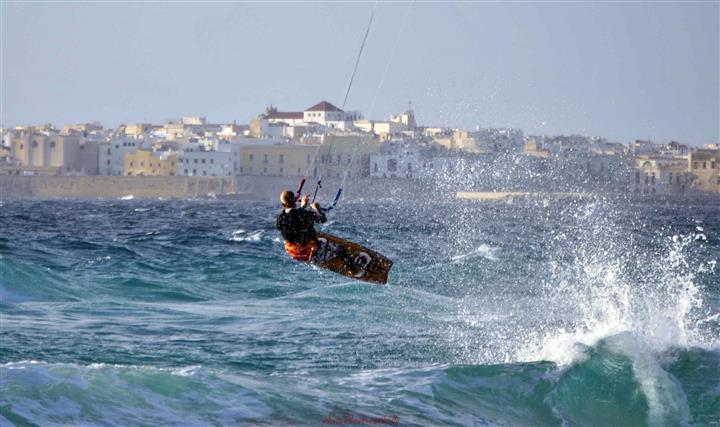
(297,226)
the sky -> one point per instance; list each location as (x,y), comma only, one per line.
(623,71)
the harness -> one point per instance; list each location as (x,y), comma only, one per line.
(301,251)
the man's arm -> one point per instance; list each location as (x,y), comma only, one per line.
(319,214)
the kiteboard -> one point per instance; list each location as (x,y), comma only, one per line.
(369,266)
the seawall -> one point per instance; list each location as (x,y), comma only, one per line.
(243,187)
(269,187)
(113,186)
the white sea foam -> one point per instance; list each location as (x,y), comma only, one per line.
(612,288)
(244,236)
(128,197)
(99,259)
(482,251)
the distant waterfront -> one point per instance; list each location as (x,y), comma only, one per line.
(268,188)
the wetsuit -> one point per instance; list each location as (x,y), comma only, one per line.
(297,226)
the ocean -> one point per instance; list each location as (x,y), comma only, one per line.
(598,312)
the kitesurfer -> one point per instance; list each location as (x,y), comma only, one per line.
(297,226)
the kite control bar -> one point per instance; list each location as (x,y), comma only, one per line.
(298,195)
(299,190)
(317,188)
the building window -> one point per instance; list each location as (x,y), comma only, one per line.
(375,168)
(339,159)
(203,160)
(704,165)
(298,171)
(196,160)
(142,164)
(204,173)
(671,177)
(265,158)
(392,165)
(653,178)
(282,159)
(34,144)
(131,164)
(281,170)
(637,177)
(264,170)
(252,157)
(52,144)
(186,172)
(212,161)
(108,161)
(194,171)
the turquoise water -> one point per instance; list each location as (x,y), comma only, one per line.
(597,312)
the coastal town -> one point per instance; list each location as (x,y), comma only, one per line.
(323,140)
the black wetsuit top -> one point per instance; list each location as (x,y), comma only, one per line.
(298,225)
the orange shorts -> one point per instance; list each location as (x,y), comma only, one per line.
(301,251)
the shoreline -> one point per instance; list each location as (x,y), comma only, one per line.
(247,187)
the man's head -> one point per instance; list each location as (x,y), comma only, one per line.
(287,198)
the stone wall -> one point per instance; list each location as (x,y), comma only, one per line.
(246,187)
(113,186)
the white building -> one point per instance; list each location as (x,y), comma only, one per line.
(196,160)
(410,160)
(111,156)
(232,146)
(396,160)
(325,113)
(290,118)
(193,120)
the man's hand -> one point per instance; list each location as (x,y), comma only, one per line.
(316,206)
(304,201)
